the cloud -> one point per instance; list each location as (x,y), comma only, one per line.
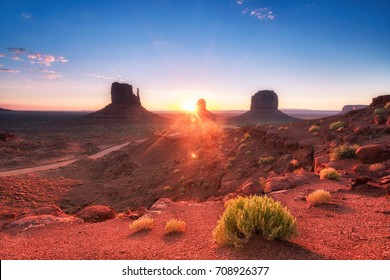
(9,71)
(2,55)
(259,13)
(16,58)
(16,50)
(50,75)
(113,78)
(26,16)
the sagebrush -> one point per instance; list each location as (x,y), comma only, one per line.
(245,217)
(329,173)
(336,125)
(344,151)
(174,225)
(319,197)
(266,160)
(141,224)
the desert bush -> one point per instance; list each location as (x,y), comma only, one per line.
(248,216)
(344,151)
(248,153)
(182,190)
(329,173)
(266,160)
(379,111)
(245,136)
(242,146)
(176,171)
(141,224)
(319,197)
(174,225)
(387,106)
(232,159)
(283,128)
(336,125)
(228,166)
(314,128)
(168,188)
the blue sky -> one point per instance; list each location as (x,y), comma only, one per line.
(314,54)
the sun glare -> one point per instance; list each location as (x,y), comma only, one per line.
(189,106)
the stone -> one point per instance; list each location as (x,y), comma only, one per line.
(373,153)
(251,187)
(160,204)
(263,109)
(122,94)
(349,108)
(380,101)
(53,210)
(202,111)
(28,222)
(264,99)
(96,213)
(288,181)
(380,119)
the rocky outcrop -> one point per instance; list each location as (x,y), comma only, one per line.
(349,108)
(125,106)
(373,153)
(263,109)
(202,111)
(96,213)
(380,101)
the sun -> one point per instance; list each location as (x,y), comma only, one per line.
(189,106)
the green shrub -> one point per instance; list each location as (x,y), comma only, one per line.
(319,197)
(336,125)
(266,160)
(379,111)
(344,151)
(248,216)
(314,128)
(329,173)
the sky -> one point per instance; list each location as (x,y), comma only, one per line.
(64,54)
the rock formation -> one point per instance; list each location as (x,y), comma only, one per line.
(349,108)
(202,111)
(380,101)
(125,106)
(264,109)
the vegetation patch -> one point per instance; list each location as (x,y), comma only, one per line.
(337,125)
(141,224)
(344,151)
(319,197)
(245,217)
(174,225)
(314,128)
(380,111)
(387,106)
(266,160)
(329,173)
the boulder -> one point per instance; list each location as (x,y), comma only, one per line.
(288,181)
(373,153)
(28,222)
(96,213)
(251,187)
(160,204)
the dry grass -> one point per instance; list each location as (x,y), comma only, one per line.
(319,197)
(141,224)
(329,173)
(174,225)
(314,128)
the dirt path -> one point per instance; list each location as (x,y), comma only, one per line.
(100,154)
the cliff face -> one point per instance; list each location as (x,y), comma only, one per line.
(263,109)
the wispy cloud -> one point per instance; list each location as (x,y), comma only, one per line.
(261,13)
(26,16)
(17,58)
(9,70)
(51,76)
(34,57)
(112,78)
(2,55)
(16,50)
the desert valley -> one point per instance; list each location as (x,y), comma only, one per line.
(71,183)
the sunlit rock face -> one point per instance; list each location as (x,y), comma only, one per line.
(122,94)
(264,99)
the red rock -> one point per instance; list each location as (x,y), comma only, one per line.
(251,187)
(96,213)
(373,153)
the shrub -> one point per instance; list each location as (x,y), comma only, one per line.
(314,128)
(228,166)
(248,153)
(329,173)
(283,128)
(182,190)
(266,160)
(336,125)
(242,146)
(379,111)
(141,224)
(168,188)
(319,197)
(247,216)
(387,106)
(174,225)
(245,136)
(232,159)
(344,151)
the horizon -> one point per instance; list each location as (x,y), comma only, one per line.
(316,55)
